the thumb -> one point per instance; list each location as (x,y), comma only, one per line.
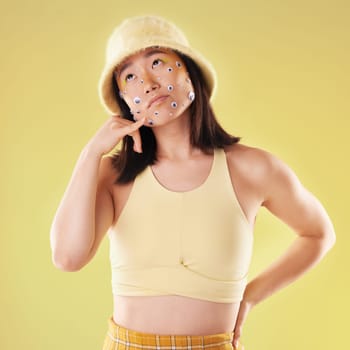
(134,133)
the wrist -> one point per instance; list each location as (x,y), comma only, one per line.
(91,152)
(250,296)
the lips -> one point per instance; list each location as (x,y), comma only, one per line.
(157,100)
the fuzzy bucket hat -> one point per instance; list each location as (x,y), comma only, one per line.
(137,33)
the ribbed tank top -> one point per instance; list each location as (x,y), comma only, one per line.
(196,243)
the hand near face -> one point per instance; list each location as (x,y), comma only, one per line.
(113,131)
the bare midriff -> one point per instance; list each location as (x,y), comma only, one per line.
(172,314)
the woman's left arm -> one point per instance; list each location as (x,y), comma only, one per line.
(290,201)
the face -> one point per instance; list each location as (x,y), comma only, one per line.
(155,84)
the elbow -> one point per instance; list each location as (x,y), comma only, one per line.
(65,259)
(66,263)
(332,239)
(328,239)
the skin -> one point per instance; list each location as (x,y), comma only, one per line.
(155,86)
(92,204)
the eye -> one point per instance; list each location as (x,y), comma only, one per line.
(156,62)
(129,77)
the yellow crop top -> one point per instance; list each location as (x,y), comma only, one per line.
(196,243)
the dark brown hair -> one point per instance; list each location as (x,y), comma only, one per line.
(206,133)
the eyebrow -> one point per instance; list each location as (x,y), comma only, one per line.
(146,55)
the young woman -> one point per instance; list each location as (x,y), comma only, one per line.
(179,201)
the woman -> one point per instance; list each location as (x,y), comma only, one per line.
(179,200)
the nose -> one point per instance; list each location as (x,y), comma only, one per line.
(150,83)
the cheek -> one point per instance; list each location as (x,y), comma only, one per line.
(132,97)
(175,79)
(183,87)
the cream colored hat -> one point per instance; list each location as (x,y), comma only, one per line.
(137,33)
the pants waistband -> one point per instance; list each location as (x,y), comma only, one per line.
(130,338)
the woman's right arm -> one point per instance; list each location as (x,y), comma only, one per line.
(86,210)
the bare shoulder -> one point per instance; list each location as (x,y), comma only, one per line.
(259,169)
(251,160)
(245,155)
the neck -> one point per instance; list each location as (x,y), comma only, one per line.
(173,139)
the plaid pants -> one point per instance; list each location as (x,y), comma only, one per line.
(120,338)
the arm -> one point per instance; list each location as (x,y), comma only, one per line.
(287,199)
(84,214)
(280,192)
(86,210)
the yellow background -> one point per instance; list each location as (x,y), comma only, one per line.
(283,69)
